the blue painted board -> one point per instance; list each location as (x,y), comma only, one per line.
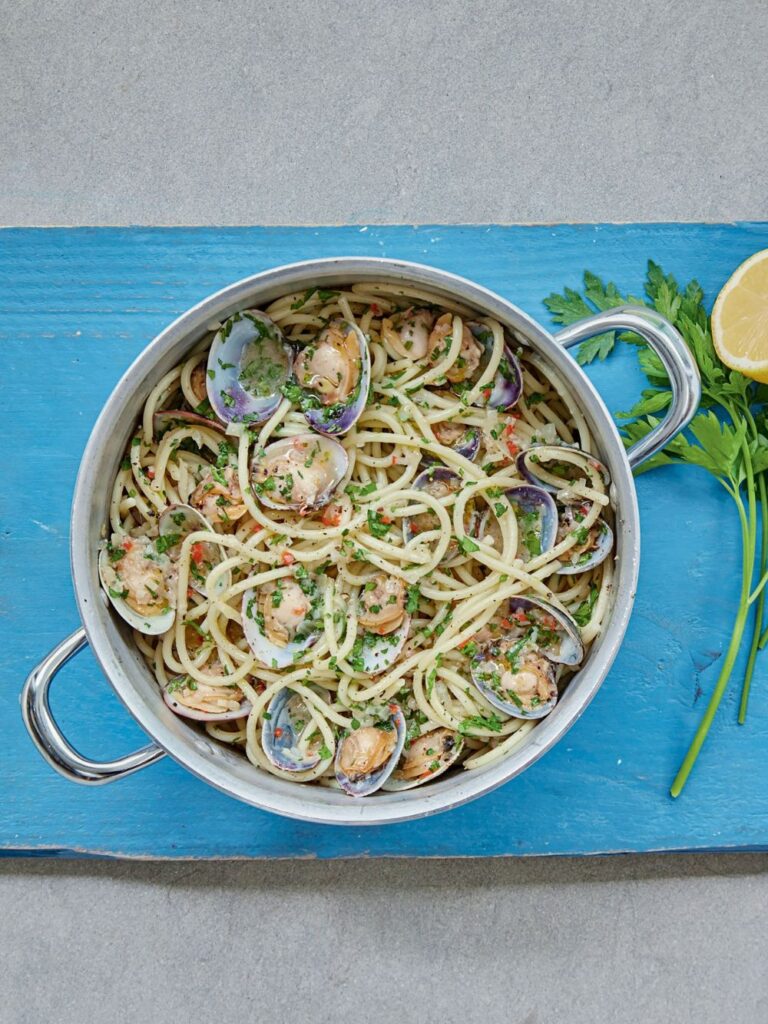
(76,306)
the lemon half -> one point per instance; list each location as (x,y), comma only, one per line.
(740,319)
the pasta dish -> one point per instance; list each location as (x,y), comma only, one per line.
(361,536)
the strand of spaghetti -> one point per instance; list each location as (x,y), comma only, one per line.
(499,752)
(429,298)
(161,389)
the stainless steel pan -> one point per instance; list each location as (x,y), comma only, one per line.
(112,644)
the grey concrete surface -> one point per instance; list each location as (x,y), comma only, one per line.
(392,111)
(673,939)
(328,111)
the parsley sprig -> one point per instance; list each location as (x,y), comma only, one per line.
(727,438)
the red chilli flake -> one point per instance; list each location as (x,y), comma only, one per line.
(197,553)
(278,733)
(287,558)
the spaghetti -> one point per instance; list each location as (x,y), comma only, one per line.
(361,536)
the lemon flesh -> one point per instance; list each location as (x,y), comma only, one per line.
(740,319)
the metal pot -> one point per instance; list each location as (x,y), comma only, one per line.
(113,646)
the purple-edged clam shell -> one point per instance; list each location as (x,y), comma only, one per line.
(569,649)
(364,785)
(528,459)
(444,752)
(339,417)
(468,445)
(593,558)
(282,733)
(487,669)
(315,464)
(379,652)
(151,625)
(270,654)
(205,716)
(248,364)
(525,500)
(439,472)
(508,380)
(168,419)
(177,522)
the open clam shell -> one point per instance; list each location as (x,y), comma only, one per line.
(521,682)
(299,473)
(465,443)
(590,551)
(248,364)
(553,467)
(557,635)
(287,733)
(378,653)
(176,523)
(127,578)
(425,758)
(171,696)
(537,521)
(439,481)
(508,381)
(366,757)
(334,375)
(281,624)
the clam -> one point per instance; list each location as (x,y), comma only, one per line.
(366,757)
(537,521)
(515,670)
(300,472)
(281,619)
(133,574)
(176,523)
(539,463)
(385,624)
(248,364)
(462,439)
(334,374)
(472,359)
(468,363)
(408,332)
(515,678)
(507,383)
(203,703)
(555,632)
(289,736)
(169,419)
(218,496)
(439,481)
(593,545)
(425,758)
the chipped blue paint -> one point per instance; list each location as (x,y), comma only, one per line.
(78,305)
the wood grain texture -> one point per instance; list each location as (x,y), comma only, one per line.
(77,305)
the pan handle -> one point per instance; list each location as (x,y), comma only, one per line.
(50,740)
(668,344)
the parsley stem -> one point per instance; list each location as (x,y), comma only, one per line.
(759,611)
(733,649)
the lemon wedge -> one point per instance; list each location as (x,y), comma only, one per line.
(740,319)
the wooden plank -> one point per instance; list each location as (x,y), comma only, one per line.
(78,305)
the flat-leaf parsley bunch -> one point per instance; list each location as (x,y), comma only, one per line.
(727,438)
